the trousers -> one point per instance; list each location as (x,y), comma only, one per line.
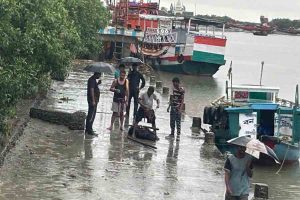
(175,118)
(90,117)
(135,95)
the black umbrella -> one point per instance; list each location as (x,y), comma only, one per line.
(130,61)
(100,67)
(254,147)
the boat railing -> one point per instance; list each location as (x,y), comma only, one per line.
(221,101)
(284,102)
(227,102)
(196,33)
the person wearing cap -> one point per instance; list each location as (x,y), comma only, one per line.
(93,95)
(134,77)
(176,105)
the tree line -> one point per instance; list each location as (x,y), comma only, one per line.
(39,39)
(279,23)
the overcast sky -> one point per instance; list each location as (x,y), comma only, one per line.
(245,10)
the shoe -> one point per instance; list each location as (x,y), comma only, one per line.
(171,136)
(91,133)
(178,138)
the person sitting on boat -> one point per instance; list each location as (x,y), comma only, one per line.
(146,108)
(264,129)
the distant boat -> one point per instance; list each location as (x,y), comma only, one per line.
(260,33)
(257,111)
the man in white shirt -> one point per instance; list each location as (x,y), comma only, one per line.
(145,110)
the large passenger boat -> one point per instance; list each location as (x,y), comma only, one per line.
(178,44)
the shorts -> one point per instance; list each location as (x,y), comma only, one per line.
(118,107)
(150,116)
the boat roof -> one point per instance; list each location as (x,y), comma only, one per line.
(257,88)
(262,106)
(204,21)
(161,17)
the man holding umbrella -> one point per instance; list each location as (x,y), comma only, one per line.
(238,171)
(93,95)
(238,167)
(93,92)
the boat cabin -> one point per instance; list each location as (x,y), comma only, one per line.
(244,94)
(261,120)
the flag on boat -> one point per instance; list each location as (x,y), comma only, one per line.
(209,50)
(133,48)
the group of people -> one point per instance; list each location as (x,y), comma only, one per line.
(126,88)
(238,167)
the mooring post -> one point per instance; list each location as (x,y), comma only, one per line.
(196,126)
(209,138)
(165,90)
(260,191)
(158,84)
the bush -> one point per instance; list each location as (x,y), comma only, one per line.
(41,38)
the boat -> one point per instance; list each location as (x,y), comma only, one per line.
(185,45)
(258,112)
(260,33)
(179,45)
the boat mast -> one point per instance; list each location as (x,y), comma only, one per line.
(296,105)
(261,71)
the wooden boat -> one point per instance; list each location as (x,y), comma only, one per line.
(257,111)
(260,33)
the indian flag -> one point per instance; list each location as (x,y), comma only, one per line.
(209,50)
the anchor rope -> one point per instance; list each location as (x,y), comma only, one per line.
(283,160)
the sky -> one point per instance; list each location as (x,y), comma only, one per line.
(243,10)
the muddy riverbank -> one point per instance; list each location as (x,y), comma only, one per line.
(52,162)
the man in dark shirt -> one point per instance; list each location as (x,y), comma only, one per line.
(93,95)
(134,78)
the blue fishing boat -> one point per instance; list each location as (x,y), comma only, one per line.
(257,111)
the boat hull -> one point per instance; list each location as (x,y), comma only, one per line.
(287,153)
(189,68)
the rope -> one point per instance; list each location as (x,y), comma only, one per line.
(283,160)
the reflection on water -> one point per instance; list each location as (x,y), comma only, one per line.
(199,91)
(284,185)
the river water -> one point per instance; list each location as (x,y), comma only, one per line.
(52,162)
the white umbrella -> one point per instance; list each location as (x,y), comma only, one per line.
(254,147)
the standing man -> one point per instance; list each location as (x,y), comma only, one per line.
(118,70)
(93,95)
(176,104)
(238,171)
(120,89)
(146,108)
(134,78)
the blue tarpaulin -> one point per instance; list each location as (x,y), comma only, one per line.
(264,106)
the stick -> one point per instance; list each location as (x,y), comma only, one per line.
(140,142)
